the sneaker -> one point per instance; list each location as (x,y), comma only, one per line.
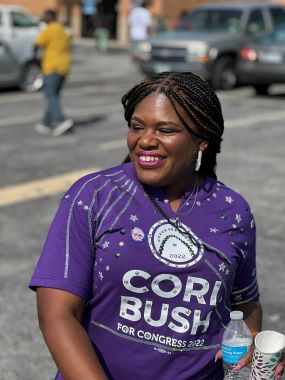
(43,129)
(63,127)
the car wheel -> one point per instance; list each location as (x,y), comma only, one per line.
(31,79)
(224,74)
(261,89)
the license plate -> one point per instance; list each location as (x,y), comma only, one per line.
(160,67)
(270,57)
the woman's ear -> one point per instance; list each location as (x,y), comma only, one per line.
(203,145)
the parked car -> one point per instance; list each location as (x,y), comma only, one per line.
(262,62)
(18,66)
(208,40)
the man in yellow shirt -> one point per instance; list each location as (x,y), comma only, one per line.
(55,66)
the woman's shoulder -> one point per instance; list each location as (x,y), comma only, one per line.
(105,179)
(232,197)
(93,180)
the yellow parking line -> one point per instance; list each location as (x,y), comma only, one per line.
(40,188)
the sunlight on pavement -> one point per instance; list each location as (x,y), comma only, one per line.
(40,188)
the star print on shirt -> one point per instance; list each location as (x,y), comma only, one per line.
(238,297)
(80,203)
(105,244)
(67,196)
(252,224)
(86,208)
(134,218)
(238,218)
(214,230)
(229,200)
(222,267)
(101,276)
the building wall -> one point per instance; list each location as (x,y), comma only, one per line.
(36,7)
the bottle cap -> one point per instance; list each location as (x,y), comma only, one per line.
(236,314)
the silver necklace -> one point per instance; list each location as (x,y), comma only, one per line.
(177,224)
(186,203)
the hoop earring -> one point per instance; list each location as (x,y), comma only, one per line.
(198,161)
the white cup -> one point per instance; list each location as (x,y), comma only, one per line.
(268,350)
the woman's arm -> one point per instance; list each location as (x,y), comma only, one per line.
(59,314)
(252,315)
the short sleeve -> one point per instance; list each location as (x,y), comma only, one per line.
(67,258)
(42,38)
(245,286)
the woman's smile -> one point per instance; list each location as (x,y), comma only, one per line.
(149,160)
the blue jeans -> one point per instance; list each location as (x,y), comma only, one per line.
(52,85)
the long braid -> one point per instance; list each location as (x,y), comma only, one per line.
(197,99)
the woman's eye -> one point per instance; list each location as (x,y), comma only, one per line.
(135,127)
(166,131)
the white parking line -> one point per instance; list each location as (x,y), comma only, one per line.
(89,111)
(115,144)
(68,92)
(255,119)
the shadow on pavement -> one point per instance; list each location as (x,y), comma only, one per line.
(88,121)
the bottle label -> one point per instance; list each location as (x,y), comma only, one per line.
(232,354)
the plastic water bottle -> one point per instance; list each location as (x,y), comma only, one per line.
(237,340)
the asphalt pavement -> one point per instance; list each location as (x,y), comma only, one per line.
(36,169)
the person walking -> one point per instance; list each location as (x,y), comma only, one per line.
(140,26)
(56,61)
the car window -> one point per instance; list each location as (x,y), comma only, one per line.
(22,20)
(277,35)
(211,20)
(278,16)
(256,23)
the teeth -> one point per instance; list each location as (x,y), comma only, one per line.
(149,159)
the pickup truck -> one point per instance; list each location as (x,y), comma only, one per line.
(208,40)
(18,65)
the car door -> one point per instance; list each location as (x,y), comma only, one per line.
(9,68)
(23,34)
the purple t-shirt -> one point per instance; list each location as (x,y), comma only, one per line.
(157,300)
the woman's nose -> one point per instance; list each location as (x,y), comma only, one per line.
(148,140)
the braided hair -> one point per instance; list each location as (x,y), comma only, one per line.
(197,99)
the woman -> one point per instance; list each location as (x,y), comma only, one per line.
(144,262)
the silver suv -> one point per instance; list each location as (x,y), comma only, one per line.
(18,66)
(208,40)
